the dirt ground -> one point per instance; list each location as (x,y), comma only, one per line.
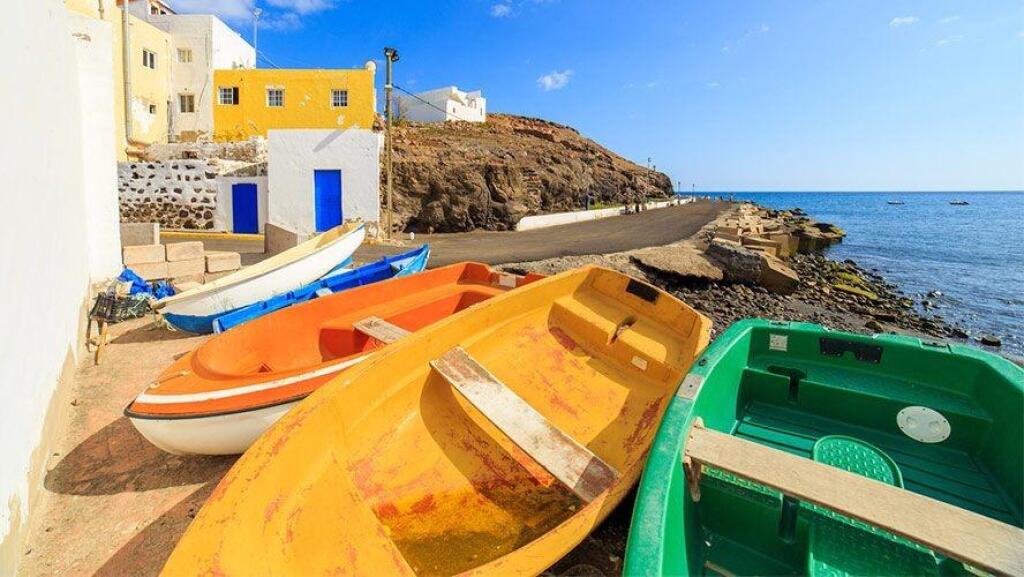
(113,504)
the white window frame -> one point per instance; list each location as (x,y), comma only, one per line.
(230,92)
(182,99)
(149,58)
(276,91)
(335,94)
(185,55)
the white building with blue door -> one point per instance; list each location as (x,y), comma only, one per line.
(319,178)
(241,204)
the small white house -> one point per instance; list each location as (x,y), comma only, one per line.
(320,178)
(441,104)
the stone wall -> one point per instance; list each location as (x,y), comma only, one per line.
(178,194)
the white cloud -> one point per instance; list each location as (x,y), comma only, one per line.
(554,80)
(954,39)
(764,28)
(652,84)
(280,15)
(949,19)
(501,10)
(902,21)
(712,84)
(302,6)
(1020,34)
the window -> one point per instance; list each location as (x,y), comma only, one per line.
(186,103)
(152,108)
(227,95)
(149,59)
(275,97)
(339,98)
(184,55)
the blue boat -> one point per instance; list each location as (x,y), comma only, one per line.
(388,267)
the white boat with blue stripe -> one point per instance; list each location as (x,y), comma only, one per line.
(195,310)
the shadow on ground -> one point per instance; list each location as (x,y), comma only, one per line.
(150,333)
(117,459)
(147,552)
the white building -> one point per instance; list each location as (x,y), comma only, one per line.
(441,104)
(320,178)
(61,235)
(200,45)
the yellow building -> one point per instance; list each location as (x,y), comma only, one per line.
(147,78)
(248,102)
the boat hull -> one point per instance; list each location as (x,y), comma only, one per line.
(195,310)
(793,387)
(227,434)
(427,481)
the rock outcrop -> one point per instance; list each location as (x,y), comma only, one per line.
(461,176)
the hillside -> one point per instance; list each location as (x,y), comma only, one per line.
(460,176)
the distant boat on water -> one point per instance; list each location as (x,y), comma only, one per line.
(895,202)
(959,202)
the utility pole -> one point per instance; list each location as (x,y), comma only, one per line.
(391,55)
(256,13)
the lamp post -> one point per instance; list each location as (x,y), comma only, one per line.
(391,55)
(256,13)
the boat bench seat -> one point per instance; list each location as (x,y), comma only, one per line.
(380,329)
(631,341)
(573,464)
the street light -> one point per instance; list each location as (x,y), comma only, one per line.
(391,55)
(256,13)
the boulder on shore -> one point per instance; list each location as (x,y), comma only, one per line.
(680,260)
(740,264)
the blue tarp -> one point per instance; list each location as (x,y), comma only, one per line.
(158,290)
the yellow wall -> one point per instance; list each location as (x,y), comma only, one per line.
(307,101)
(147,85)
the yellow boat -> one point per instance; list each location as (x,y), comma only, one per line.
(491,442)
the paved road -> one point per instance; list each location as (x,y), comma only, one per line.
(619,233)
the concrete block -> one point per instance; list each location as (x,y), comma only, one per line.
(151,271)
(212,276)
(180,251)
(788,244)
(180,287)
(180,268)
(188,278)
(220,261)
(719,235)
(776,276)
(278,239)
(143,254)
(768,246)
(139,233)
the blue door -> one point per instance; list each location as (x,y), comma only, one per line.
(327,198)
(245,208)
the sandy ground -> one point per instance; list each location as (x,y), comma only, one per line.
(113,504)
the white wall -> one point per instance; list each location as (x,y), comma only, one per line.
(48,238)
(214,46)
(559,218)
(222,216)
(295,154)
(93,43)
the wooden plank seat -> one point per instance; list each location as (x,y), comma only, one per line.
(573,464)
(974,539)
(380,329)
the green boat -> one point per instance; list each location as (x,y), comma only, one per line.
(791,449)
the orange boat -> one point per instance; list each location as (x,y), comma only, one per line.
(219,398)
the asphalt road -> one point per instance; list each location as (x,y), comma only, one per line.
(615,234)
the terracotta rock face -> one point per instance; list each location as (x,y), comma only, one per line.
(460,176)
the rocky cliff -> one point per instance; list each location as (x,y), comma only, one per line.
(461,176)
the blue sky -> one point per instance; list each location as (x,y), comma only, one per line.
(726,95)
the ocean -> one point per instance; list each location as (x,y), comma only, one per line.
(973,254)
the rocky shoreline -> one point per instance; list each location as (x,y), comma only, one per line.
(756,262)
